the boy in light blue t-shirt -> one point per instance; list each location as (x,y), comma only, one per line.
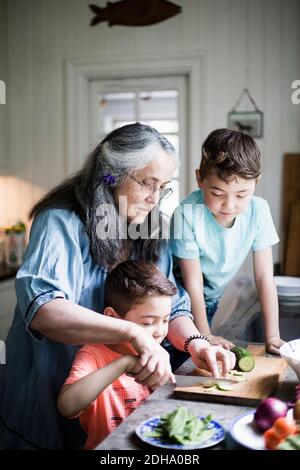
(215,227)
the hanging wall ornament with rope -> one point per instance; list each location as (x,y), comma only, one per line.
(249,122)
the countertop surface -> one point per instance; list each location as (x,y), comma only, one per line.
(162,401)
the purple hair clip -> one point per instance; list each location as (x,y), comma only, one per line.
(108,179)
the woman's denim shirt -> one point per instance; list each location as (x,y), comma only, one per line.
(57,264)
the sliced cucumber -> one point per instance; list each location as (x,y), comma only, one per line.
(209,385)
(225,387)
(244,359)
(236,373)
(212,388)
(240,378)
(240,352)
(246,363)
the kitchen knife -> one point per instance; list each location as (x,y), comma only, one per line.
(182,380)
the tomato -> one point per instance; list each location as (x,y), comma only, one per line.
(271,439)
(284,427)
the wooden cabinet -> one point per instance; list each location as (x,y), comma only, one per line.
(7,305)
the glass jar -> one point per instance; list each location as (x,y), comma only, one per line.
(15,245)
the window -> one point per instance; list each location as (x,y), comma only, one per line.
(151,101)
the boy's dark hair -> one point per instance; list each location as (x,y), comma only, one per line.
(228,153)
(131,282)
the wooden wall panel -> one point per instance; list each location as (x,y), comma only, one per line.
(291,214)
(292,258)
(291,183)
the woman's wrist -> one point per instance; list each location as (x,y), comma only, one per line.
(203,329)
(133,331)
(209,336)
(195,344)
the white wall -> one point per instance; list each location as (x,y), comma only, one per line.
(4,78)
(41,35)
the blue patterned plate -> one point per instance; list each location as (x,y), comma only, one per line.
(150,425)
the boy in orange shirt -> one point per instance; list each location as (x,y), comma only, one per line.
(99,388)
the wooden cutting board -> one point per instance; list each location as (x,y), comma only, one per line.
(261,382)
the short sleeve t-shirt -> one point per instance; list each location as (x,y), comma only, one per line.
(114,404)
(195,233)
(57,264)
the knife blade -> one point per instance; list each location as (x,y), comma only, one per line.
(203,381)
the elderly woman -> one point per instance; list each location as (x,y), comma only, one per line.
(106,213)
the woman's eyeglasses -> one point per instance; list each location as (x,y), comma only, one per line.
(151,187)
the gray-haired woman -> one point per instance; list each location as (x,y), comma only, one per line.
(80,231)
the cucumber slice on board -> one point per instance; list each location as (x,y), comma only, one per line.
(246,363)
(240,378)
(209,385)
(225,387)
(236,373)
(244,359)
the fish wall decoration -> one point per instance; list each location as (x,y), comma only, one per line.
(134,12)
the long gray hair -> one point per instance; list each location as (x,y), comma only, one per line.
(126,149)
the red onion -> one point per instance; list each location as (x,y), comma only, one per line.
(268,411)
(297,392)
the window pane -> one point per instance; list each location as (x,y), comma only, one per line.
(159,109)
(122,123)
(168,205)
(115,108)
(159,105)
(160,94)
(174,141)
(176,174)
(163,125)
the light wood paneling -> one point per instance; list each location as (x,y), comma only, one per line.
(292,259)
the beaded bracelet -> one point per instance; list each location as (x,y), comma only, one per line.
(190,338)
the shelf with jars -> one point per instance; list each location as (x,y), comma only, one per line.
(12,246)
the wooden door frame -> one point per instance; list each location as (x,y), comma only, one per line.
(78,73)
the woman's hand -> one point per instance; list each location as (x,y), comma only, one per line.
(273,344)
(206,356)
(219,341)
(153,367)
